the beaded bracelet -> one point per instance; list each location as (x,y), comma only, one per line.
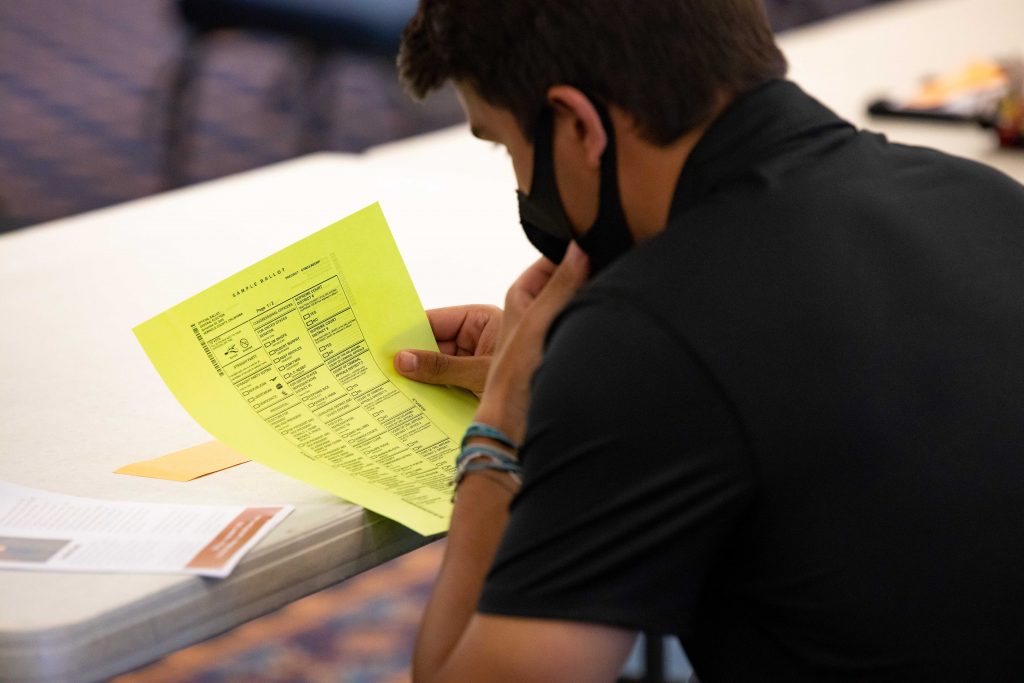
(476,449)
(477,458)
(489,432)
(480,457)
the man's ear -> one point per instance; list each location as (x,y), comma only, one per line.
(575,109)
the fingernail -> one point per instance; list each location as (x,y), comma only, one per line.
(408,362)
(576,255)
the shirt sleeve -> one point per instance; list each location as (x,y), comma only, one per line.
(635,473)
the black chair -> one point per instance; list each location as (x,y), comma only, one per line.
(654,662)
(319,29)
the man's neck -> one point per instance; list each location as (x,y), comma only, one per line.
(648,173)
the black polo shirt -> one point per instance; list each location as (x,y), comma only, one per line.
(790,428)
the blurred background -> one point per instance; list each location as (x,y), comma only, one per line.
(104,101)
(94,110)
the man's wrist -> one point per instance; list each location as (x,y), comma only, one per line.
(498,409)
(491,480)
(499,416)
(488,450)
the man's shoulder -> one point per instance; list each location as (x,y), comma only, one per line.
(866,185)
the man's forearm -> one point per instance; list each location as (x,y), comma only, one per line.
(478,522)
(481,509)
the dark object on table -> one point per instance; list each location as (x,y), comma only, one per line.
(987,93)
(893,108)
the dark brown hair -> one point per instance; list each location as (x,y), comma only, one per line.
(661,61)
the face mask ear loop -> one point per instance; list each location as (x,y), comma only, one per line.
(544,164)
(543,151)
(610,206)
(609,237)
(544,193)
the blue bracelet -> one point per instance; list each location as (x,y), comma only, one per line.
(477,457)
(489,432)
(477,449)
(479,462)
(479,466)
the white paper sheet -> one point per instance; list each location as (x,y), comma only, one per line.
(43,531)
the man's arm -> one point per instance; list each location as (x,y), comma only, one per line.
(455,642)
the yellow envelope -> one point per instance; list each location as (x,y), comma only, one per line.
(187,464)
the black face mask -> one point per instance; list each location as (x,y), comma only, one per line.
(543,216)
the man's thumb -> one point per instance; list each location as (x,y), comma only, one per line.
(567,279)
(468,372)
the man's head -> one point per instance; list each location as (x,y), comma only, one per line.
(629,86)
(663,62)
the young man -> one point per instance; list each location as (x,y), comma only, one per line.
(778,406)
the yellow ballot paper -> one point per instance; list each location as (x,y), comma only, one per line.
(290,363)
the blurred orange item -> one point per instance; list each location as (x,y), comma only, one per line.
(1009,120)
(977,77)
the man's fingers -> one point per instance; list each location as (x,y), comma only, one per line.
(544,289)
(446,322)
(567,279)
(468,372)
(536,277)
(466,330)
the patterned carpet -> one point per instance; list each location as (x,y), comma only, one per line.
(358,632)
(82,86)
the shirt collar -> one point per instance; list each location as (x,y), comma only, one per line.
(758,125)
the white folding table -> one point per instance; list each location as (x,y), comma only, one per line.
(79,398)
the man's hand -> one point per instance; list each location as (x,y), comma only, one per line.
(532,303)
(467,337)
